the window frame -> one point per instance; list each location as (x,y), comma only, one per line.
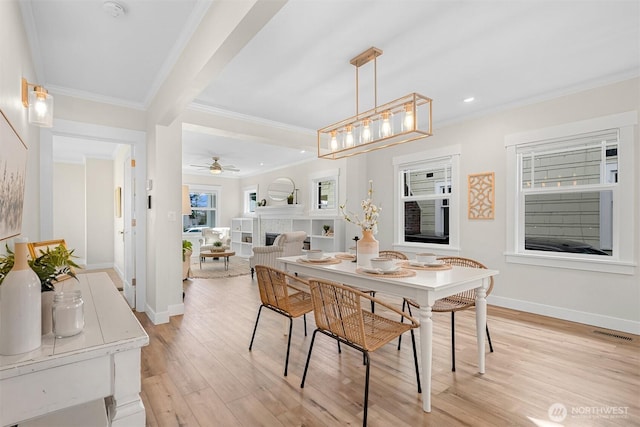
(314,179)
(203,188)
(446,155)
(247,191)
(622,259)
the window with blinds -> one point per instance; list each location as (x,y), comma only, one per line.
(567,188)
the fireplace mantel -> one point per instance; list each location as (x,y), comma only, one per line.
(280,211)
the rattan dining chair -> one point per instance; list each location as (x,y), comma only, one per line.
(383,254)
(338,314)
(393,255)
(453,303)
(286,295)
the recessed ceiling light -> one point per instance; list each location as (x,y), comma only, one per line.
(303,151)
(112,8)
(261,164)
(470,99)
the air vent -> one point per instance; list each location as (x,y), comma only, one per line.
(611,334)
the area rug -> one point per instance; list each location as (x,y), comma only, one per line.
(212,268)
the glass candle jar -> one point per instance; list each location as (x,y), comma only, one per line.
(68,314)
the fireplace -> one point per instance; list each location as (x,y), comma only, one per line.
(269,238)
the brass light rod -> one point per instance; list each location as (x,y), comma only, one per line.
(368,55)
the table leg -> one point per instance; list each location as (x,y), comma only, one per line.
(226,263)
(201,258)
(426,350)
(481,322)
(125,408)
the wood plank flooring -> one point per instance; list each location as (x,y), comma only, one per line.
(197,371)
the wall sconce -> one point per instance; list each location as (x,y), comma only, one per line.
(40,104)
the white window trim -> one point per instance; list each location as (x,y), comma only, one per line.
(328,175)
(204,188)
(623,259)
(429,156)
(245,197)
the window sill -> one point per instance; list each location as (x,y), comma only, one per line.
(441,250)
(574,263)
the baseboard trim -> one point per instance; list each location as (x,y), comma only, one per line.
(100,266)
(176,309)
(608,322)
(157,318)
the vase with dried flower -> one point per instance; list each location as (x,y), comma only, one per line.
(368,247)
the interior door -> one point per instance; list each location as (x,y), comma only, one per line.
(128,209)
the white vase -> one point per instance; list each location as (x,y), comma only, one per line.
(367,248)
(20,306)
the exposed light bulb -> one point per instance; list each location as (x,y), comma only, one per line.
(41,107)
(386,128)
(348,137)
(333,144)
(407,123)
(365,135)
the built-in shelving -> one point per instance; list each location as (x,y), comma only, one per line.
(249,232)
(243,235)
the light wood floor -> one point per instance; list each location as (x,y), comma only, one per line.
(197,371)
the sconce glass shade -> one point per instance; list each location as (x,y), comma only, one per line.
(40,107)
(403,120)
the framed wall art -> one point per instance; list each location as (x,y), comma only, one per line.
(481,195)
(13,170)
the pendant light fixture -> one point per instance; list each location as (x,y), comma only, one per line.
(403,120)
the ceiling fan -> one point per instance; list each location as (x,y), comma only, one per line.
(216,168)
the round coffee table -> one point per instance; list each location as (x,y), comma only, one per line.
(225,255)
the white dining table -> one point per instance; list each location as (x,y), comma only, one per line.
(425,287)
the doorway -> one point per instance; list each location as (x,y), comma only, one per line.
(130,243)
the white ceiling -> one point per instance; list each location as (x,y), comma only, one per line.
(296,72)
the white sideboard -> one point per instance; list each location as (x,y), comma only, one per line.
(101,364)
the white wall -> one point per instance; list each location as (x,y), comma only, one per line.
(607,300)
(300,174)
(69,207)
(15,64)
(100,193)
(83,210)
(164,239)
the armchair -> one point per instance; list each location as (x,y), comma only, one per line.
(212,235)
(286,244)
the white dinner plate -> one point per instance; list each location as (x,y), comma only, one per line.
(426,264)
(324,258)
(379,271)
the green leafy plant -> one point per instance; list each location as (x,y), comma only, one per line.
(217,243)
(186,246)
(290,199)
(50,266)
